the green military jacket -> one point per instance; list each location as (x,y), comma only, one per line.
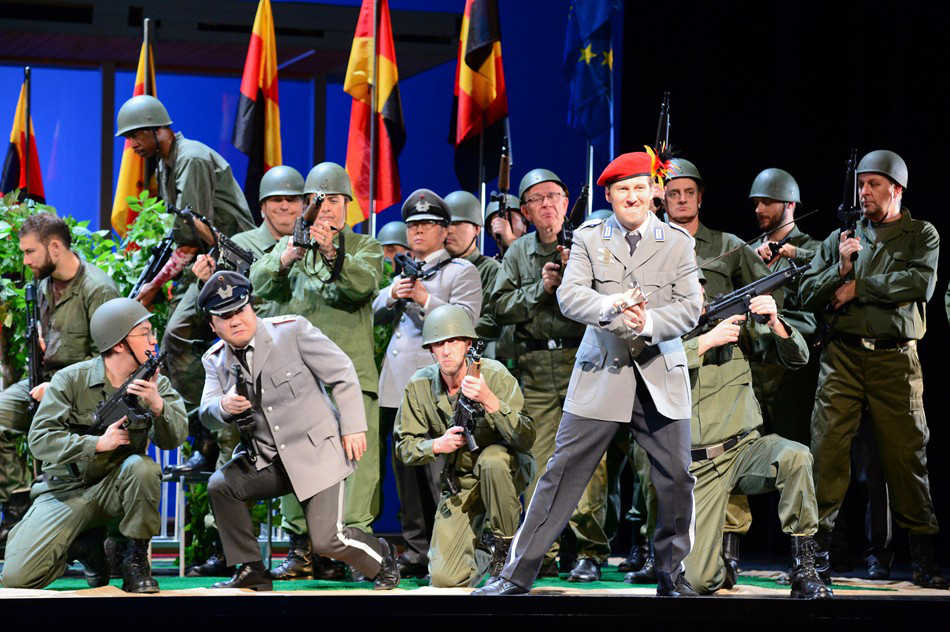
(519,299)
(426,413)
(195,175)
(733,271)
(724,402)
(342,309)
(805,249)
(895,275)
(486,327)
(66,324)
(69,457)
(260,241)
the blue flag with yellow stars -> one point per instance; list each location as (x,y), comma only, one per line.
(588,63)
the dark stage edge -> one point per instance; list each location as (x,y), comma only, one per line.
(460,612)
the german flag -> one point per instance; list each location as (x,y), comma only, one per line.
(390,129)
(14,175)
(257,124)
(135,173)
(481,101)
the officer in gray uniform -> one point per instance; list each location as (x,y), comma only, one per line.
(293,437)
(405,302)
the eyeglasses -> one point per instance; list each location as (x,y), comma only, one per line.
(422,224)
(537,200)
(151,335)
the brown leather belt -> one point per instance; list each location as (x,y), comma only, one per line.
(712,451)
(874,344)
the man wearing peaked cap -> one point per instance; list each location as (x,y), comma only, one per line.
(297,440)
(406,302)
(630,371)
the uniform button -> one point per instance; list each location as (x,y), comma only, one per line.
(395,352)
(276,428)
(402,319)
(288,373)
(283,447)
(269,408)
(398,335)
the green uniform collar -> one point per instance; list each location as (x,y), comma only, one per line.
(264,237)
(533,246)
(891,230)
(96,376)
(704,234)
(72,287)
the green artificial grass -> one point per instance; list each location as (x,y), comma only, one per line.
(611,578)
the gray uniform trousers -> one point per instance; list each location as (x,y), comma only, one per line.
(240,481)
(579,446)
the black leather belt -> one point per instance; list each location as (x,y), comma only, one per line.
(712,451)
(552,343)
(874,344)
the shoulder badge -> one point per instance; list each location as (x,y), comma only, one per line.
(215,348)
(608,231)
(282,320)
(658,233)
(591,222)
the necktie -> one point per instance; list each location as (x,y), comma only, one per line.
(633,238)
(241,355)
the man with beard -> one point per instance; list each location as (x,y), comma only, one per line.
(875,308)
(68,292)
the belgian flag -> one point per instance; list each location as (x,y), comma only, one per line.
(481,101)
(22,151)
(257,124)
(135,173)
(390,129)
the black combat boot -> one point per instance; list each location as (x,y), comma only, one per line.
(647,572)
(214,566)
(88,549)
(299,561)
(730,557)
(499,555)
(878,562)
(667,586)
(204,454)
(634,561)
(388,576)
(587,569)
(806,584)
(328,569)
(136,572)
(923,562)
(823,555)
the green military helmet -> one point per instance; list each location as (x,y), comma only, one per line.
(446,322)
(393,234)
(139,112)
(604,213)
(464,207)
(886,162)
(682,168)
(775,184)
(280,180)
(113,320)
(329,178)
(512,203)
(537,176)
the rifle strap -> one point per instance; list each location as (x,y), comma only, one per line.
(181,257)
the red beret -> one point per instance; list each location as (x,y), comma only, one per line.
(630,165)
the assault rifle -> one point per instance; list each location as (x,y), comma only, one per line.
(34,352)
(466,415)
(227,255)
(412,269)
(662,144)
(161,253)
(848,211)
(125,404)
(245,420)
(504,184)
(737,301)
(574,219)
(307,218)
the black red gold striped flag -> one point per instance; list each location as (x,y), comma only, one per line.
(22,149)
(481,101)
(390,129)
(257,124)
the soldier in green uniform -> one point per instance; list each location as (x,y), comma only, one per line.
(486,505)
(281,199)
(683,199)
(190,174)
(506,224)
(523,296)
(394,240)
(730,455)
(69,291)
(93,479)
(786,396)
(874,307)
(332,285)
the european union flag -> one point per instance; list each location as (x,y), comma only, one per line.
(588,62)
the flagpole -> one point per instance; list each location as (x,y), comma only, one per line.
(147,36)
(590,179)
(372,122)
(26,149)
(481,172)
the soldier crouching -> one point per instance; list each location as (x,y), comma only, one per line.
(480,486)
(90,479)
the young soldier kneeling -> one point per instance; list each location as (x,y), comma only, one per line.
(480,487)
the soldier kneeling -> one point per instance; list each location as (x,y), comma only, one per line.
(481,480)
(94,477)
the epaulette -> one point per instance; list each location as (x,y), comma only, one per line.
(597,221)
(282,320)
(216,347)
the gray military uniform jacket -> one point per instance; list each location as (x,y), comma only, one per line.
(603,384)
(456,283)
(293,365)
